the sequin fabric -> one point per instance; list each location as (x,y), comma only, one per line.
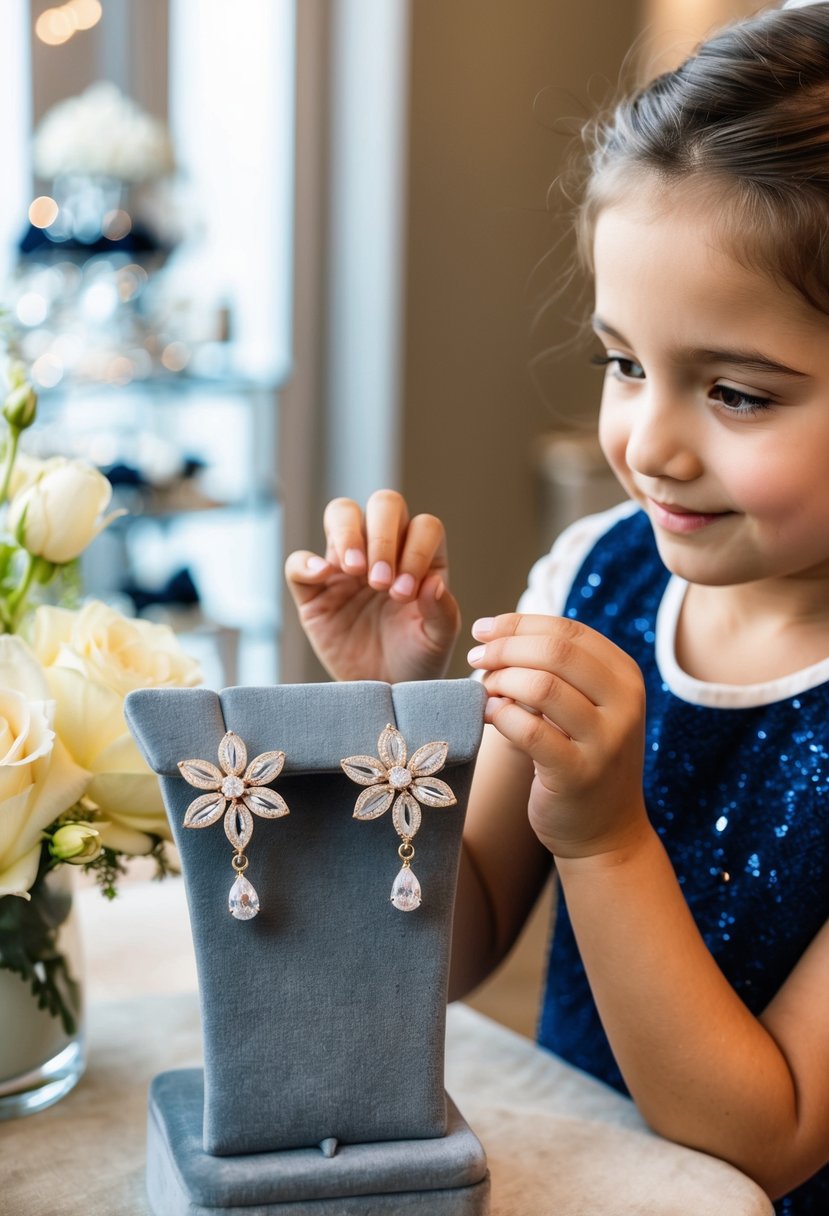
(739,798)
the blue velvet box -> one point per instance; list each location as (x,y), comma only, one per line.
(323,1017)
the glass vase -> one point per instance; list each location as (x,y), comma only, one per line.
(42,1055)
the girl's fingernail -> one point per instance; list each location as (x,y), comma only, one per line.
(404,584)
(380,572)
(494,704)
(440,587)
(315,564)
(476,653)
(355,559)
(483,627)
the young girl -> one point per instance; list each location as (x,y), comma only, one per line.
(657,718)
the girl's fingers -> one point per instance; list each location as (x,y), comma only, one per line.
(541,692)
(439,612)
(580,656)
(424,551)
(391,552)
(546,745)
(386,520)
(304,573)
(345,536)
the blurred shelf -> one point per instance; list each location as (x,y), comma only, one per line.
(193,460)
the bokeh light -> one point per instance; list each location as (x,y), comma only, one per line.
(55,26)
(43,211)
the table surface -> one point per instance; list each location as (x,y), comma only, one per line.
(558,1142)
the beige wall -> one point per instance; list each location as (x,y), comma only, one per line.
(489,82)
(674,27)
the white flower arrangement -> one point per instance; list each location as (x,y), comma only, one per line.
(102,133)
(74,788)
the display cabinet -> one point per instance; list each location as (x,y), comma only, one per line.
(192,459)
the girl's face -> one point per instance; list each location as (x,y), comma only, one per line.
(715,410)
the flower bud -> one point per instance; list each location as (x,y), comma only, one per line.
(59,514)
(20,406)
(76,843)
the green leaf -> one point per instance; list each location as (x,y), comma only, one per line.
(29,947)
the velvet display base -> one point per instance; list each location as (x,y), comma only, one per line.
(446,1176)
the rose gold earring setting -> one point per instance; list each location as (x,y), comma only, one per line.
(392,782)
(237,791)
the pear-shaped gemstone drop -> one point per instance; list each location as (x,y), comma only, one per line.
(243,902)
(405,893)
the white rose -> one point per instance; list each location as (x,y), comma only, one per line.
(92,659)
(89,719)
(119,652)
(60,513)
(25,472)
(38,779)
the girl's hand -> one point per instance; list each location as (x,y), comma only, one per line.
(575,703)
(377,606)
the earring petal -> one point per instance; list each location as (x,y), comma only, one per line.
(392,748)
(406,816)
(201,773)
(205,810)
(265,802)
(365,770)
(432,792)
(428,759)
(374,802)
(239,826)
(233,755)
(264,768)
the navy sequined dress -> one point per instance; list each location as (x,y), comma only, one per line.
(736,785)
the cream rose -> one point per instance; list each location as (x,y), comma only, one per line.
(38,779)
(60,513)
(89,719)
(92,659)
(25,472)
(115,651)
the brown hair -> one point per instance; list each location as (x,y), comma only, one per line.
(748,114)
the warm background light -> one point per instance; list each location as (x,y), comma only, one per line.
(86,13)
(43,211)
(55,26)
(117,225)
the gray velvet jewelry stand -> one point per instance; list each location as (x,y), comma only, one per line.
(323,1017)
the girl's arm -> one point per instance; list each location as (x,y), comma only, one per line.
(702,1069)
(503,864)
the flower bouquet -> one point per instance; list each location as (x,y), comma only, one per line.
(74,789)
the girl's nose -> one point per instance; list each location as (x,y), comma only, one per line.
(661,442)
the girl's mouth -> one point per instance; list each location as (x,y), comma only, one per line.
(680,520)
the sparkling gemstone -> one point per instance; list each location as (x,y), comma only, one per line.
(243,902)
(405,893)
(400,777)
(233,787)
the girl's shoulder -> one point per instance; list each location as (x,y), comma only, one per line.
(551,578)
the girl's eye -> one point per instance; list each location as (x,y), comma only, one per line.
(736,401)
(624,369)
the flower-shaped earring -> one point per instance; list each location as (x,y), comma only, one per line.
(238,792)
(391,780)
